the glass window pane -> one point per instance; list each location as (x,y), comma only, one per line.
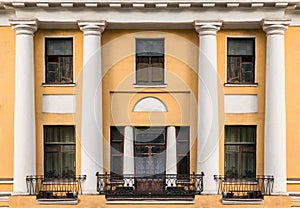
(116,133)
(231,163)
(52,134)
(240,46)
(142,73)
(117,165)
(233,69)
(142,165)
(183,166)
(51,164)
(183,147)
(117,148)
(240,134)
(247,73)
(57,46)
(158,149)
(183,133)
(67,134)
(157,164)
(248,164)
(232,134)
(66,69)
(247,134)
(150,135)
(52,73)
(157,73)
(68,162)
(149,47)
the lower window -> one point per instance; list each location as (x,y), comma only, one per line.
(240,151)
(60,151)
(149,150)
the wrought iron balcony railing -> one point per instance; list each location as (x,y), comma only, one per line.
(155,186)
(244,188)
(55,188)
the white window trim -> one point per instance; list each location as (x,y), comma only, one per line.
(44,61)
(255,64)
(134,77)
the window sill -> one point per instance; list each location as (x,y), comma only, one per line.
(59,85)
(57,201)
(242,201)
(149,201)
(149,86)
(240,85)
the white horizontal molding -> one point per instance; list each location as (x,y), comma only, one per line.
(59,103)
(240,103)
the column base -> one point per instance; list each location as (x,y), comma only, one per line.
(90,193)
(209,193)
(280,194)
(20,194)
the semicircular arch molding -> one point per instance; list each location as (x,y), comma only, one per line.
(150,104)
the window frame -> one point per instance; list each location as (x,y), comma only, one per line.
(121,130)
(254,83)
(141,85)
(188,154)
(244,145)
(152,144)
(59,146)
(45,62)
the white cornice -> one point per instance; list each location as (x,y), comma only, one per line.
(180,4)
(149,14)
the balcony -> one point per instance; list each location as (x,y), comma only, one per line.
(160,187)
(59,189)
(244,189)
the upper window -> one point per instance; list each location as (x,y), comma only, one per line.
(59,60)
(150,61)
(240,60)
(240,151)
(59,151)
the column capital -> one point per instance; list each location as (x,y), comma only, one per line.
(92,27)
(275,26)
(207,27)
(24,26)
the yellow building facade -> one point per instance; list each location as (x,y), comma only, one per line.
(145,103)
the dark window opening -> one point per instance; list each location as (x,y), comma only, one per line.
(59,60)
(116,150)
(183,150)
(150,61)
(240,60)
(60,151)
(240,151)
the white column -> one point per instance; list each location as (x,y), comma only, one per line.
(91,121)
(171,157)
(24,112)
(208,126)
(275,112)
(128,160)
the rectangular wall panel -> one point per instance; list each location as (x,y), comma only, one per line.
(59,103)
(240,104)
